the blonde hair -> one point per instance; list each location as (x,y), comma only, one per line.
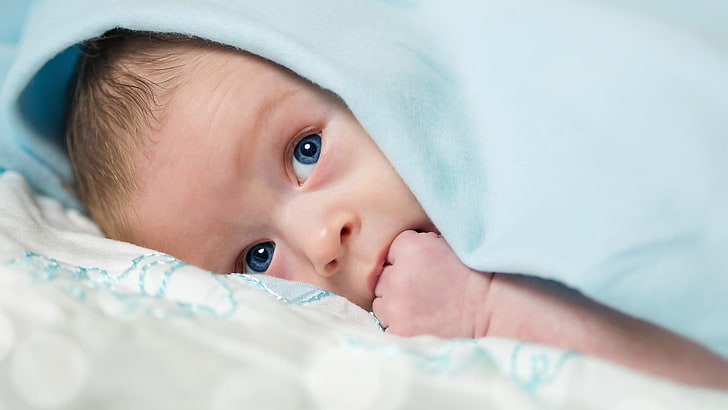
(124,80)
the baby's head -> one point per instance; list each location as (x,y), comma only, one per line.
(233,163)
(125,80)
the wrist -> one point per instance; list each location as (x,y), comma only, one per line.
(532,309)
(478,295)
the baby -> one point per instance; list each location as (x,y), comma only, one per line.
(234,164)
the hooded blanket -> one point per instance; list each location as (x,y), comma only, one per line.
(581,141)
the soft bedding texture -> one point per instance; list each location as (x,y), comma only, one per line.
(90,323)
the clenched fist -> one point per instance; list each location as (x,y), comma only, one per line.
(425,289)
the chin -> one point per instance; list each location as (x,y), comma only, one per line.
(363,303)
(366,306)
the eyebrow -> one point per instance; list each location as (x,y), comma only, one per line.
(273,104)
(264,114)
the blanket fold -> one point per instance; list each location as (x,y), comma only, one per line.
(578,141)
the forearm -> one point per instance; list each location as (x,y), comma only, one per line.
(425,289)
(544,312)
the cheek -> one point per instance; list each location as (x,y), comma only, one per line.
(395,193)
(374,172)
(371,178)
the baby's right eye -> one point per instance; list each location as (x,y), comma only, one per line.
(259,257)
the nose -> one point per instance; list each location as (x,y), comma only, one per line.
(320,229)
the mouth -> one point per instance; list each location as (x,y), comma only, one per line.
(429,228)
(378,269)
(382,262)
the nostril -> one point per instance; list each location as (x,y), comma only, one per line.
(330,268)
(345,232)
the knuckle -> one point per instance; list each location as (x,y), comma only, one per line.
(407,246)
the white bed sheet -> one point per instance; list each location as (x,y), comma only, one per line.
(90,323)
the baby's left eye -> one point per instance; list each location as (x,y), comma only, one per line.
(259,257)
(305,155)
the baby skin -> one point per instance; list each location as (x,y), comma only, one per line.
(253,169)
(424,289)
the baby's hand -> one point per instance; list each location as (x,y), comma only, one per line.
(427,290)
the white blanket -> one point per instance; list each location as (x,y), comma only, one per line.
(89,323)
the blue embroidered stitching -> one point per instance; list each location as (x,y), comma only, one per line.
(49,270)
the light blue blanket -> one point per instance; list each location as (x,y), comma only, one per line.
(580,141)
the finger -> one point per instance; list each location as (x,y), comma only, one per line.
(379,312)
(401,241)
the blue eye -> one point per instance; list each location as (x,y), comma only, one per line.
(306,155)
(259,257)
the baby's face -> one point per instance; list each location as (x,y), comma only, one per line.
(255,170)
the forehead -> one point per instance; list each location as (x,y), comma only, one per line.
(210,64)
(195,156)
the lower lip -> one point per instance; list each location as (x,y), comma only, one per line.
(374,277)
